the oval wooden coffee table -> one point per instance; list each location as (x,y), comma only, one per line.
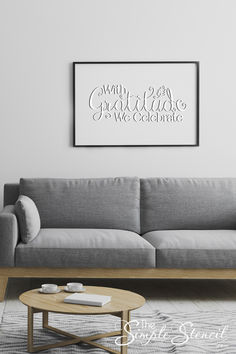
(122,302)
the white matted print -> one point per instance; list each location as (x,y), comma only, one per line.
(136,104)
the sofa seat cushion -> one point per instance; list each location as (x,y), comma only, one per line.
(194,248)
(86,248)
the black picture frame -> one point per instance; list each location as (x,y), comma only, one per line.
(197,88)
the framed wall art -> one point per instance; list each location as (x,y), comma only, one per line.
(136,103)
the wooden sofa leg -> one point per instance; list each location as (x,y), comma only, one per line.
(3,287)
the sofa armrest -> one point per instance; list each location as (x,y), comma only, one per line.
(9,236)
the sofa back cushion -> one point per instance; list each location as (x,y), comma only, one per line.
(11,193)
(188,203)
(109,203)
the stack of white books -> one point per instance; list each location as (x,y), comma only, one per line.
(87,299)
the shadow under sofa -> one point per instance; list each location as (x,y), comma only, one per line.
(122,227)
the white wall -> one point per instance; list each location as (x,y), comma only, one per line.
(40,39)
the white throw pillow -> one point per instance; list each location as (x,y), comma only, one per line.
(28,218)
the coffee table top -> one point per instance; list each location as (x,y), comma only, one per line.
(121,300)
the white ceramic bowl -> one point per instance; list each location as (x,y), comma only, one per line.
(74,286)
(49,288)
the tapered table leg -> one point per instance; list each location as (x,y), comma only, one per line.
(3,287)
(45,319)
(125,316)
(129,319)
(30,329)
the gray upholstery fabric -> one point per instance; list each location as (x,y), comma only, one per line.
(11,193)
(188,203)
(8,236)
(194,248)
(106,203)
(89,248)
(28,218)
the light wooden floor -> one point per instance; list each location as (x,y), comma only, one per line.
(164,295)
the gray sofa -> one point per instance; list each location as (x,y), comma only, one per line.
(122,228)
